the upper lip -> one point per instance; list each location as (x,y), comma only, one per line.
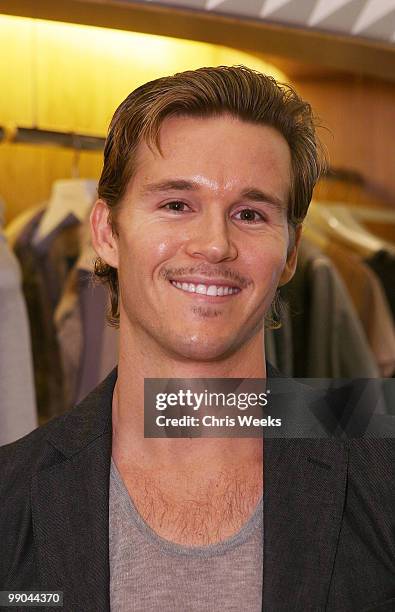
(219,282)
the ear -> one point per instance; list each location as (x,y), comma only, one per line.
(292,256)
(103,239)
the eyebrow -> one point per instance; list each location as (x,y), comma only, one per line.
(259,196)
(170,185)
(251,193)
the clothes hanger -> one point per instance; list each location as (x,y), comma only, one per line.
(379,222)
(370,225)
(344,216)
(73,196)
(339,224)
(349,215)
(14,228)
(366,213)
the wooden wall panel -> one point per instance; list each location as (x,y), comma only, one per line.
(360,114)
(69,77)
(16,70)
(322,49)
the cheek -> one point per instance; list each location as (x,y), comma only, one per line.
(149,250)
(266,262)
(162,242)
(164,247)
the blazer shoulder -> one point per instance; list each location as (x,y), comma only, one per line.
(57,440)
(24,457)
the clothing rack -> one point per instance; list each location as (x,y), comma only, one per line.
(353,178)
(71,140)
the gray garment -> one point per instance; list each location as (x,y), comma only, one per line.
(88,345)
(18,414)
(100,349)
(149,573)
(45,267)
(328,338)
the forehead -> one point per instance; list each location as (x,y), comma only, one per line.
(223,152)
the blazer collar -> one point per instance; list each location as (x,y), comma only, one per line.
(89,420)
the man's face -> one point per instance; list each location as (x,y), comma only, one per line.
(203,236)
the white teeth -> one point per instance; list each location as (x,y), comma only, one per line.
(202,289)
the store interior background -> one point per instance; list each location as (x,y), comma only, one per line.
(71,77)
(66,66)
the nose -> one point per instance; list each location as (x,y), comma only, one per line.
(211,239)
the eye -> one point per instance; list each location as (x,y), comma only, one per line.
(176,206)
(248,215)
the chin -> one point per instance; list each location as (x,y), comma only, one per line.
(201,348)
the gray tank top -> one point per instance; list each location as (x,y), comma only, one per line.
(149,573)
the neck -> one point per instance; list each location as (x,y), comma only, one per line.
(141,358)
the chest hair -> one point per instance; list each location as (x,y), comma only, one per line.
(191,511)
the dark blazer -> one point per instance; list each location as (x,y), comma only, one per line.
(329,516)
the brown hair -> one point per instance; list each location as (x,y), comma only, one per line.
(238,91)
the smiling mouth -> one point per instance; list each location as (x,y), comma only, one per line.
(206,289)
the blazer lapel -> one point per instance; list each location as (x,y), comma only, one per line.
(305,485)
(70,501)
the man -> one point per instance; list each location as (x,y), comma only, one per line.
(207,177)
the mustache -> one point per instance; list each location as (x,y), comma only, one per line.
(207,271)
